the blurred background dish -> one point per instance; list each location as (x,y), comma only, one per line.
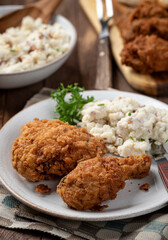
(31,76)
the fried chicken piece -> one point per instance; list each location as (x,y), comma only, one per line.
(47,148)
(148,9)
(146,54)
(42,188)
(146,19)
(145,33)
(99,179)
(144,187)
(157,26)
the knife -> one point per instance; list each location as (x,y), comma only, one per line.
(159,153)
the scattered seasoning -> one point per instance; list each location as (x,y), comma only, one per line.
(12,50)
(129,114)
(42,188)
(131,182)
(144,187)
(57,49)
(142,139)
(166,140)
(101,104)
(129,190)
(131,138)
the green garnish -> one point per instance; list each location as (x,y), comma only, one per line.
(142,139)
(57,49)
(70,110)
(131,138)
(129,114)
(101,104)
(12,50)
(166,141)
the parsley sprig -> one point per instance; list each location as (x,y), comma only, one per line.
(70,110)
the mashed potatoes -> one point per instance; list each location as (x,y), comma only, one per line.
(126,126)
(32,44)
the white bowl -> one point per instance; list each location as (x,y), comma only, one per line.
(28,77)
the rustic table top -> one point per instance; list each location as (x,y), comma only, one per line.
(80,67)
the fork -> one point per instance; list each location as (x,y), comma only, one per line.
(104,56)
(158,152)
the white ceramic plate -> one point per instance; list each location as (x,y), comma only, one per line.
(130,202)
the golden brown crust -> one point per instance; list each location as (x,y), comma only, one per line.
(99,179)
(146,54)
(147,9)
(147,18)
(154,25)
(42,188)
(144,30)
(47,148)
(145,187)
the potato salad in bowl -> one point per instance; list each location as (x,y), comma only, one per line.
(31,45)
(34,51)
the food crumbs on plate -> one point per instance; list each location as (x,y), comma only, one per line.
(99,208)
(129,190)
(144,187)
(42,188)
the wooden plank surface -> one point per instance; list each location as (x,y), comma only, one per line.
(155,84)
(144,83)
(80,67)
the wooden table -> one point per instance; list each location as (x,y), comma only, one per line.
(80,67)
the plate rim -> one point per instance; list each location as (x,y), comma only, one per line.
(48,212)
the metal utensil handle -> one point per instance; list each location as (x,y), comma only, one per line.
(104,64)
(163,170)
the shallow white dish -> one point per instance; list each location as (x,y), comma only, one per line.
(130,202)
(28,77)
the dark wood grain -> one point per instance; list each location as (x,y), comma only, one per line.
(104,64)
(80,67)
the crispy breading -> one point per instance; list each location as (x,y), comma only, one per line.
(146,54)
(154,25)
(144,187)
(144,30)
(42,188)
(47,148)
(147,18)
(147,9)
(99,179)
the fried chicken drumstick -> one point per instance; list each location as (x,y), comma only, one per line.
(99,179)
(47,148)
